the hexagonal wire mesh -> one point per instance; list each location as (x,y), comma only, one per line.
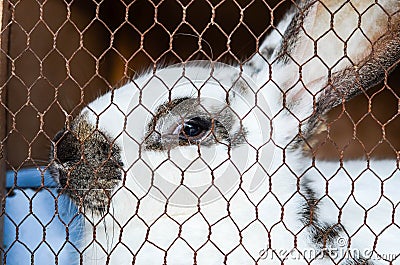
(246,161)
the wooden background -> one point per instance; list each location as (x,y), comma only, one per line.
(63,54)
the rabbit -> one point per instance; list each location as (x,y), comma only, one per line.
(205,163)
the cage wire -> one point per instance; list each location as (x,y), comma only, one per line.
(61,55)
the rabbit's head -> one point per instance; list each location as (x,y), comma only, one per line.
(185,134)
(190,134)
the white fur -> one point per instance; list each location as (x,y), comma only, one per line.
(141,225)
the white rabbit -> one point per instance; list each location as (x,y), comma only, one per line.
(204,163)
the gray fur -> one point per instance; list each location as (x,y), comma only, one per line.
(346,84)
(291,35)
(87,163)
(182,109)
(323,234)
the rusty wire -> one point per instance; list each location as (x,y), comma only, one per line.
(63,54)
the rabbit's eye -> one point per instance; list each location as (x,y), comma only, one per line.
(193,130)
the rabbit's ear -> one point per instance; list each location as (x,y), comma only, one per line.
(331,51)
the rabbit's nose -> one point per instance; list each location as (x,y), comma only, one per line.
(66,147)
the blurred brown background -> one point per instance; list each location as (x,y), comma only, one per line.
(63,54)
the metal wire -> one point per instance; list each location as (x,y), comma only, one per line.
(64,54)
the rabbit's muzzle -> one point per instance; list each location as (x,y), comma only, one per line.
(86,164)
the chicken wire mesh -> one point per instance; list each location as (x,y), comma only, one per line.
(199,163)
